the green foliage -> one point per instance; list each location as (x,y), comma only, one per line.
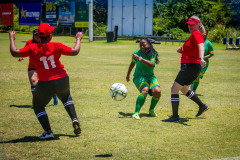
(158,26)
(177,33)
(211,13)
(219,32)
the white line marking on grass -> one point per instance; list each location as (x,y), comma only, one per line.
(228,158)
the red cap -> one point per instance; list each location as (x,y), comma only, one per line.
(192,21)
(45,29)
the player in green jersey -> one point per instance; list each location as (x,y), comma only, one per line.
(209,52)
(144,78)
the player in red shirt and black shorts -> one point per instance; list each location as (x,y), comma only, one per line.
(53,79)
(32,72)
(191,65)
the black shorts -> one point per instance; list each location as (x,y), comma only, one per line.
(45,90)
(31,69)
(188,73)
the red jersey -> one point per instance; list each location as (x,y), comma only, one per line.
(46,59)
(31,64)
(190,52)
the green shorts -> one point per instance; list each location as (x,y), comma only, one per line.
(141,82)
(201,74)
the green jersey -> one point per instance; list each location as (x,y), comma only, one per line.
(142,69)
(208,49)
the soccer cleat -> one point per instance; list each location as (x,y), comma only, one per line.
(152,113)
(55,100)
(201,110)
(76,126)
(172,119)
(47,135)
(136,116)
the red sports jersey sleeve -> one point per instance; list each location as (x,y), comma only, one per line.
(190,52)
(65,50)
(26,51)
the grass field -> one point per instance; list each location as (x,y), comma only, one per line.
(108,131)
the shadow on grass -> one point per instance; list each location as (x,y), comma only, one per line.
(26,106)
(184,120)
(21,106)
(129,115)
(104,155)
(36,139)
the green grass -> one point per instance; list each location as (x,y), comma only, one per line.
(108,131)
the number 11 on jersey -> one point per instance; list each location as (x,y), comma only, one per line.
(44,59)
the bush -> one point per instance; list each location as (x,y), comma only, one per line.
(218,33)
(177,33)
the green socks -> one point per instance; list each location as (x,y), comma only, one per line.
(154,102)
(140,101)
(195,85)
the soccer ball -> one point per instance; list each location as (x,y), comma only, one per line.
(118,91)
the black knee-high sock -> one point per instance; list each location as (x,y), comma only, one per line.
(194,97)
(33,89)
(69,106)
(43,119)
(175,104)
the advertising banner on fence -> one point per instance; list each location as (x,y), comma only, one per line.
(6,14)
(81,14)
(66,14)
(30,14)
(51,14)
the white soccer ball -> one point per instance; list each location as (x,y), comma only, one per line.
(118,91)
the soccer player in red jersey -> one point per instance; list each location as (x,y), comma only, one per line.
(53,78)
(32,72)
(191,65)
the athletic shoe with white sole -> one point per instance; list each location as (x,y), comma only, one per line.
(152,113)
(47,135)
(76,126)
(136,116)
(201,110)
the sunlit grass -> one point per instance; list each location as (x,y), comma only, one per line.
(107,128)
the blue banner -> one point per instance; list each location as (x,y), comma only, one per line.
(66,14)
(51,16)
(30,14)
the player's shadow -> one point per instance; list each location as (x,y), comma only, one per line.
(129,115)
(21,106)
(104,155)
(184,120)
(26,106)
(36,139)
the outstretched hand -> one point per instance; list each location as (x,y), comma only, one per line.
(136,56)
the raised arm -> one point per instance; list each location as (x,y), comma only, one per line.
(76,48)
(13,49)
